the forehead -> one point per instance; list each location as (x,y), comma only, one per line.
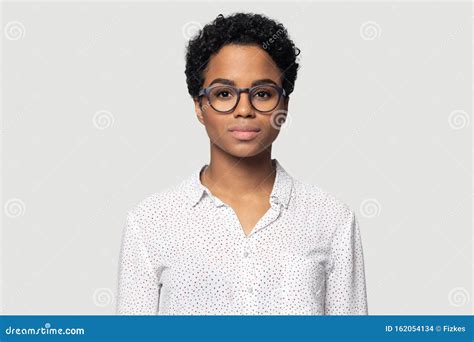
(242,64)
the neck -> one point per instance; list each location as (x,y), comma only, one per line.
(229,176)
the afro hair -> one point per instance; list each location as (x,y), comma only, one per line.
(242,29)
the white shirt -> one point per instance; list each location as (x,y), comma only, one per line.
(184,252)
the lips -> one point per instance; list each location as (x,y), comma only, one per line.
(244,132)
(241,135)
(244,129)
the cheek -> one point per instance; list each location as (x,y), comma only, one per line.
(273,124)
(216,127)
(278,118)
(270,133)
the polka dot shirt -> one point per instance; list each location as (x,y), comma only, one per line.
(184,252)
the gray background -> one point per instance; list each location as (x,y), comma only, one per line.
(96,116)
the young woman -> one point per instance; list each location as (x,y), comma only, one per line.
(241,235)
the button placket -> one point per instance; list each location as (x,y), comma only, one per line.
(247,257)
(249,281)
(249,284)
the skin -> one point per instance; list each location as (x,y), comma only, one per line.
(240,172)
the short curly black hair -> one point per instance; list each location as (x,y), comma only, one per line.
(243,29)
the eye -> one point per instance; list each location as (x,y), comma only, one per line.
(262,93)
(223,93)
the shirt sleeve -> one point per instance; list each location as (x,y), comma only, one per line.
(345,281)
(138,290)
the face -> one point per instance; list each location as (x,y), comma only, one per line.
(242,66)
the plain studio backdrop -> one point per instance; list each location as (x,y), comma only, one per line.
(96,117)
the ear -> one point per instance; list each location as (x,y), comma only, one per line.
(198,109)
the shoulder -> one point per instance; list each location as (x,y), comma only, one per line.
(157,206)
(327,206)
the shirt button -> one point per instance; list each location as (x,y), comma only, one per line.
(250,290)
(246,254)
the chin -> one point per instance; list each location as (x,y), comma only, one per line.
(249,150)
(244,149)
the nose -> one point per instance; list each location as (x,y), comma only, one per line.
(244,107)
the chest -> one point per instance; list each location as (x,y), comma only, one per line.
(249,213)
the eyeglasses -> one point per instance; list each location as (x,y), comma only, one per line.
(225,98)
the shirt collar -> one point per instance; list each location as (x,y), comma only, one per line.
(280,194)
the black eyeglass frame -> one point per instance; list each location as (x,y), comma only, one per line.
(205,92)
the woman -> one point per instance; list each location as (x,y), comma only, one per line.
(241,235)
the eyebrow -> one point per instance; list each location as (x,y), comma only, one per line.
(232,83)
